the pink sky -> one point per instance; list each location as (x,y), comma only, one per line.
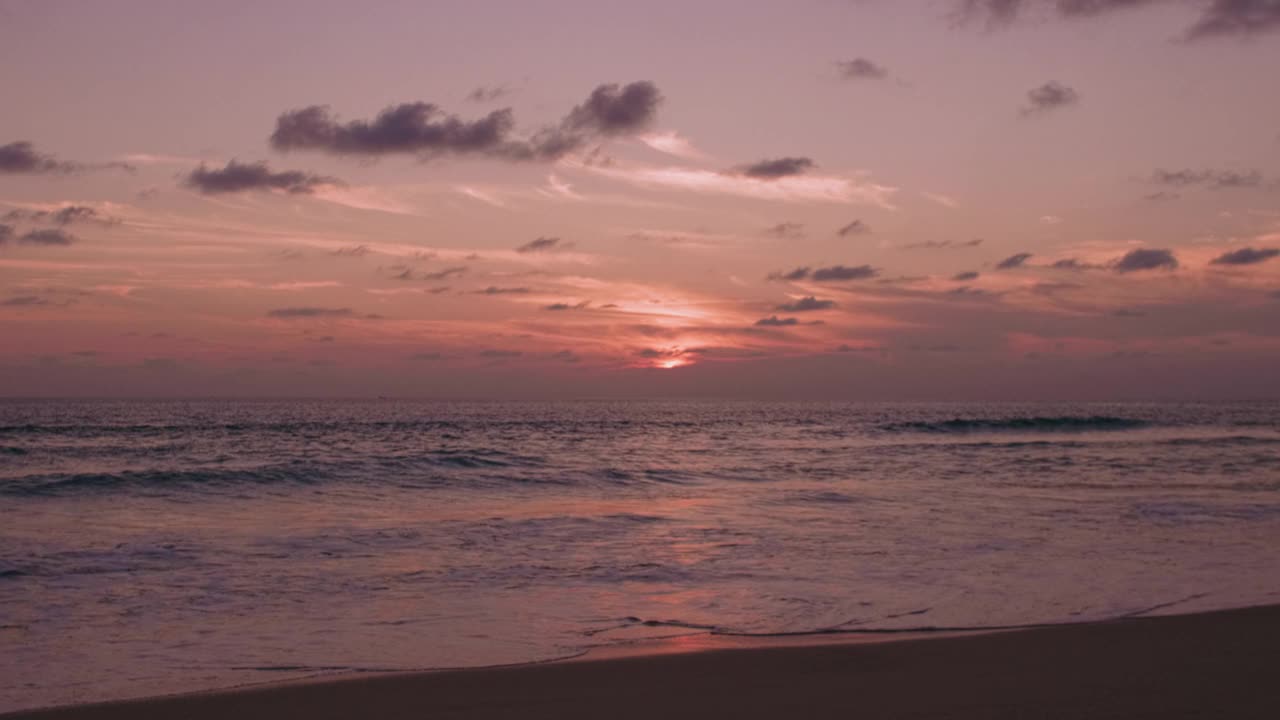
(823,199)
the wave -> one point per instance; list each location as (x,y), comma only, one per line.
(1084,423)
(426,470)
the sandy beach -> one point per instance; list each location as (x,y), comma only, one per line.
(1210,665)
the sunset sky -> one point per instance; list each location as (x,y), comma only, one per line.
(814,199)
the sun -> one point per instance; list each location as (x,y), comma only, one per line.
(673,363)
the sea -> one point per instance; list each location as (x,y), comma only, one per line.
(156,547)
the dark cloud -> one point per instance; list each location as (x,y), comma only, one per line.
(47,238)
(22,158)
(1246,256)
(566,306)
(1072,264)
(71,214)
(1089,8)
(1146,259)
(1236,17)
(309,312)
(786,230)
(542,244)
(775,321)
(861,69)
(407,128)
(240,177)
(444,274)
(352,251)
(1218,18)
(777,168)
(500,353)
(1050,96)
(941,244)
(840,272)
(566,356)
(847,348)
(1013,261)
(488,93)
(799,273)
(426,356)
(1217,179)
(806,304)
(857,227)
(995,11)
(493,290)
(24,301)
(615,110)
(424,129)
(965,276)
(6,232)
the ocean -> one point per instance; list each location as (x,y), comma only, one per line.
(152,547)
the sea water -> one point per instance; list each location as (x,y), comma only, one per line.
(156,547)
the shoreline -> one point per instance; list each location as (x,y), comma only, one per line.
(1216,664)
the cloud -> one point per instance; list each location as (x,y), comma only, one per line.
(1236,17)
(806,304)
(775,321)
(494,290)
(425,130)
(47,238)
(566,306)
(1146,259)
(1050,96)
(444,274)
(1072,264)
(857,227)
(799,273)
(1245,256)
(542,244)
(500,353)
(777,168)
(24,301)
(671,143)
(861,69)
(1217,179)
(786,230)
(965,276)
(21,158)
(944,200)
(1013,261)
(488,93)
(941,244)
(240,177)
(68,215)
(352,251)
(309,312)
(1218,18)
(613,110)
(791,187)
(6,232)
(840,272)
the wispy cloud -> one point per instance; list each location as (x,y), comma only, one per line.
(805,188)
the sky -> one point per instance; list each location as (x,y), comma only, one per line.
(820,199)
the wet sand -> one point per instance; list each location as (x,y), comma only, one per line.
(1211,665)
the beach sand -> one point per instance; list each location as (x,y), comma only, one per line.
(1212,665)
